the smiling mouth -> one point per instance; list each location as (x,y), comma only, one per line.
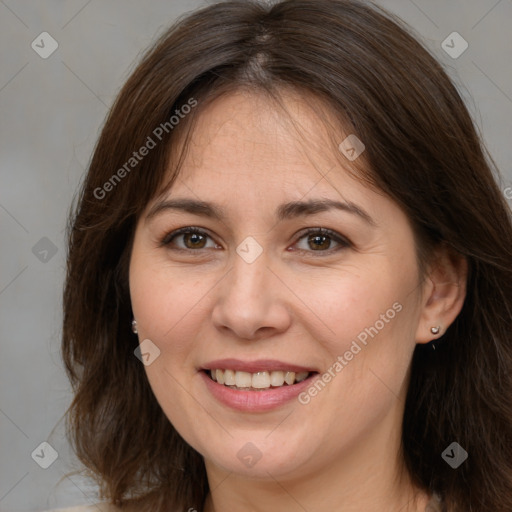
(258,381)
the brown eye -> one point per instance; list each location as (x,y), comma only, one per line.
(194,240)
(321,240)
(318,242)
(188,239)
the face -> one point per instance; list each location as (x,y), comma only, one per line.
(269,260)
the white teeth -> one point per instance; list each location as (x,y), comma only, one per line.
(257,380)
(242,379)
(277,378)
(260,380)
(229,378)
(289,378)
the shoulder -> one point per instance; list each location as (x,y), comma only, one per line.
(96,507)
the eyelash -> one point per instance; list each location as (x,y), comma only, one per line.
(342,241)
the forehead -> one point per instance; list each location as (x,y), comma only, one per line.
(248,157)
(247,137)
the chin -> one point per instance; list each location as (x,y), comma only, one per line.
(259,457)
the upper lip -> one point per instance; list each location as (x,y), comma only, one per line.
(259,365)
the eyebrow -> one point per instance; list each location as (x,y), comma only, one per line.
(285,211)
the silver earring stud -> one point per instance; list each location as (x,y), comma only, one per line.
(134,326)
(435,330)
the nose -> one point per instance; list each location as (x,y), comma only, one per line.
(251,301)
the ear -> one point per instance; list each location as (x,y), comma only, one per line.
(443,295)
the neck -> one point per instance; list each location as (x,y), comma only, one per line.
(294,497)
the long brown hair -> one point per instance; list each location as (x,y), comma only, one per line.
(422,149)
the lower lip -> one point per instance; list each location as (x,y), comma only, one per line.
(255,401)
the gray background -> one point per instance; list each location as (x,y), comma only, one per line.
(51,111)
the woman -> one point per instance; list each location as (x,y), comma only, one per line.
(289,279)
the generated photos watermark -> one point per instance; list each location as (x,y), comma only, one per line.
(454,455)
(355,348)
(137,156)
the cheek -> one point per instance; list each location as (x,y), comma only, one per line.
(167,308)
(368,319)
(162,295)
(354,303)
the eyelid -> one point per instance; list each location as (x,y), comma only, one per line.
(339,239)
(168,237)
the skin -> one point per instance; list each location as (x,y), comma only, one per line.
(294,303)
